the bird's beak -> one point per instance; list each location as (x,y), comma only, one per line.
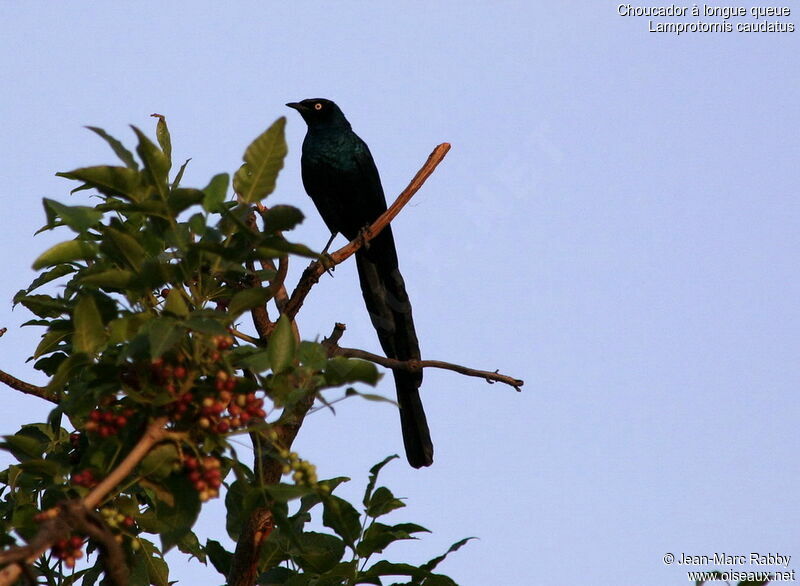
(296,105)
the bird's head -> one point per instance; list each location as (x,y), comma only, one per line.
(319,112)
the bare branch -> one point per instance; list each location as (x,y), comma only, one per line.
(27,388)
(415,365)
(312,274)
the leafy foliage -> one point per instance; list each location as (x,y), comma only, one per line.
(143,330)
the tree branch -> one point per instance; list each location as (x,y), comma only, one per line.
(27,388)
(491,377)
(154,433)
(21,385)
(312,274)
(54,528)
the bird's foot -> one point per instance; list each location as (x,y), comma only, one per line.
(327,263)
(363,237)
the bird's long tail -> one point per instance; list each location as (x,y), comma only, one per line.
(389,309)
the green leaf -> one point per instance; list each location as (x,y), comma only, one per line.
(279,243)
(373,476)
(383,502)
(24,447)
(206,325)
(179,518)
(378,537)
(46,277)
(127,245)
(90,334)
(124,154)
(342,517)
(110,279)
(429,566)
(313,355)
(385,568)
(125,328)
(281,217)
(179,176)
(113,181)
(215,192)
(220,558)
(263,160)
(160,461)
(183,198)
(191,545)
(46,469)
(79,218)
(50,342)
(283,493)
(162,134)
(44,305)
(234,505)
(163,334)
(341,370)
(149,566)
(255,362)
(176,304)
(282,345)
(65,371)
(248,299)
(319,552)
(156,164)
(68,251)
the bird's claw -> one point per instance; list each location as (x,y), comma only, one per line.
(327,263)
(363,237)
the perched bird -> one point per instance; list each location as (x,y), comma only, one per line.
(343,182)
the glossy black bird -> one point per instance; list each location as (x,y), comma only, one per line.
(343,182)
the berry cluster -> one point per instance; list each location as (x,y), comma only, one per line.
(228,411)
(221,343)
(68,550)
(117,520)
(304,472)
(205,475)
(168,375)
(106,423)
(84,478)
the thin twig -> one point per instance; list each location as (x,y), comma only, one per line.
(416,365)
(312,274)
(27,388)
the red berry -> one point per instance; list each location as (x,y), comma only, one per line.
(95,415)
(223,426)
(76,542)
(179,372)
(121,421)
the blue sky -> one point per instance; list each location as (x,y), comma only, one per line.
(617,223)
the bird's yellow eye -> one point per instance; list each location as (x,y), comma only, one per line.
(318,106)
